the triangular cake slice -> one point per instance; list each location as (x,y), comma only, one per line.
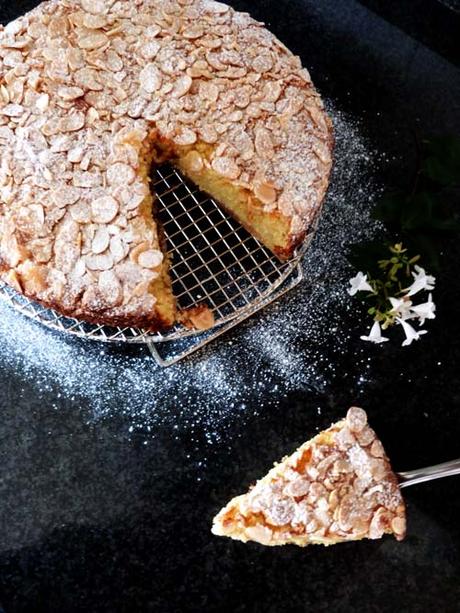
(337,487)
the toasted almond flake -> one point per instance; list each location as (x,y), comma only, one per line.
(150,78)
(101,240)
(104,209)
(150,259)
(65,195)
(87,78)
(209,91)
(265,193)
(398,525)
(193,32)
(110,287)
(95,6)
(194,162)
(72,123)
(150,49)
(208,134)
(152,31)
(226,167)
(70,93)
(215,7)
(42,102)
(94,22)
(12,110)
(262,63)
(118,249)
(120,174)
(356,419)
(99,262)
(185,137)
(182,86)
(81,212)
(114,61)
(93,41)
(264,143)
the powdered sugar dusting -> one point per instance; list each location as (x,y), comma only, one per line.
(293,345)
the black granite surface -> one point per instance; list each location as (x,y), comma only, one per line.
(93,520)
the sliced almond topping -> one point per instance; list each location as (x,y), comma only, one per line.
(87,78)
(110,287)
(398,525)
(209,90)
(185,137)
(101,240)
(42,102)
(150,259)
(208,134)
(356,419)
(81,213)
(104,209)
(120,174)
(94,22)
(12,110)
(219,8)
(72,123)
(70,93)
(194,162)
(114,61)
(264,143)
(226,167)
(65,195)
(265,192)
(150,49)
(93,41)
(150,78)
(182,86)
(95,6)
(262,63)
(99,262)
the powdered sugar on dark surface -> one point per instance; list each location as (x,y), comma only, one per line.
(294,345)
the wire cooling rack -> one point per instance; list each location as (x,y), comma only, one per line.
(214,261)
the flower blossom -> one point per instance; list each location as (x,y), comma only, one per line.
(401,307)
(422,281)
(410,332)
(375,335)
(426,310)
(359,284)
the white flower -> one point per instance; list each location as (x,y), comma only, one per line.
(410,332)
(375,335)
(421,281)
(425,310)
(359,284)
(401,307)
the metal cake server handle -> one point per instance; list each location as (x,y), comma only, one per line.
(411,477)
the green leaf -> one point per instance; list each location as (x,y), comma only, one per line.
(442,160)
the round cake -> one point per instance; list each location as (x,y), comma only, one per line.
(92,93)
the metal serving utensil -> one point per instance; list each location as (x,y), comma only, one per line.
(446,469)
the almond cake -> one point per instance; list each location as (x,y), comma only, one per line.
(92,93)
(337,487)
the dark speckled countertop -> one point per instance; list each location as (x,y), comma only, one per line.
(94,520)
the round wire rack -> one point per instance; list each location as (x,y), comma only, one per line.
(213,260)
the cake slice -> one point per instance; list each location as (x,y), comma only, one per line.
(337,487)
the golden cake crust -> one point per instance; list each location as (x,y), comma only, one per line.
(88,88)
(337,487)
